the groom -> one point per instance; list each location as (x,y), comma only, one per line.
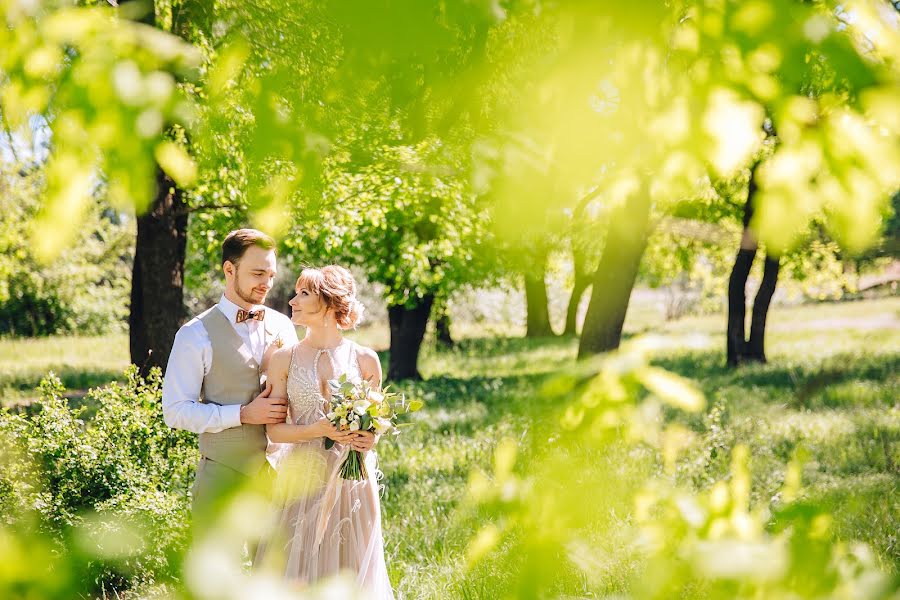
(213,380)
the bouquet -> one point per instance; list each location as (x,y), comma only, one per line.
(357,406)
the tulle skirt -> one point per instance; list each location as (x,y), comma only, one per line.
(325,525)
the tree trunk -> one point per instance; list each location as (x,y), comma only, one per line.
(756,346)
(849,273)
(537,320)
(442,330)
(737,348)
(407,332)
(737,304)
(581,229)
(582,281)
(615,276)
(157,282)
(157,298)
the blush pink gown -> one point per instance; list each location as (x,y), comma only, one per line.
(325,525)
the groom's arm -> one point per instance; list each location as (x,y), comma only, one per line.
(287,331)
(189,362)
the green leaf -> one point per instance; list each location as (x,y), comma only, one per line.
(176,162)
(671,388)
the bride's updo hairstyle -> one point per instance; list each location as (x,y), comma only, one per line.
(337,289)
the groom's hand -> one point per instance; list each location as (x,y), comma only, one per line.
(264,410)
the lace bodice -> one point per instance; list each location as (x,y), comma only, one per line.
(307,403)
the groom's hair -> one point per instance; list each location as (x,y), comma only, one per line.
(236,243)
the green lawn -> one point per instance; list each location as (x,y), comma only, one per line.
(81,363)
(831,386)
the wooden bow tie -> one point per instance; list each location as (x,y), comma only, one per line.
(243,315)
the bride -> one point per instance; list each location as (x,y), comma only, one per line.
(325,525)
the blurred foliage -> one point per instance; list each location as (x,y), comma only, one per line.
(538,102)
(109,89)
(351,168)
(83,291)
(680,96)
(402,137)
(412,229)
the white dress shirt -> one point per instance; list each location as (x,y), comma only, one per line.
(191,359)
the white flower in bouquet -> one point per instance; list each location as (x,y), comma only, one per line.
(382,425)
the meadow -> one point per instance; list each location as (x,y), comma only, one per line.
(831,387)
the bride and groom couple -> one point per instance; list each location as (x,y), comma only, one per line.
(213,386)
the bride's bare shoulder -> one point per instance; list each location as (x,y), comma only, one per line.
(369,362)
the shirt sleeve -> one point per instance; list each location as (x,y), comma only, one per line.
(182,385)
(289,333)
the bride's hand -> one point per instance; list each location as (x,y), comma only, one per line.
(326,428)
(363,441)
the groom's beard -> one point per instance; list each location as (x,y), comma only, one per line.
(246,296)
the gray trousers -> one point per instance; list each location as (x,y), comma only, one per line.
(215,486)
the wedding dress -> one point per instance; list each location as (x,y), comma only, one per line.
(326,525)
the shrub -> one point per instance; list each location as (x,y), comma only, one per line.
(84,291)
(110,495)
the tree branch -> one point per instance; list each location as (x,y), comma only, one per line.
(6,130)
(210,207)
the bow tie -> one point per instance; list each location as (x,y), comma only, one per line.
(243,315)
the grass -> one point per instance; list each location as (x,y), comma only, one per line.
(81,362)
(831,387)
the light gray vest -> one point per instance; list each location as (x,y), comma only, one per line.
(233,378)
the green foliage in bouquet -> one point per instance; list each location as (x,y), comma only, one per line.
(356,405)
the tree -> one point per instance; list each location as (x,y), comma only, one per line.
(651,98)
(408,227)
(527,239)
(86,290)
(50,68)
(89,117)
(442,335)
(393,108)
(614,278)
(537,320)
(157,278)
